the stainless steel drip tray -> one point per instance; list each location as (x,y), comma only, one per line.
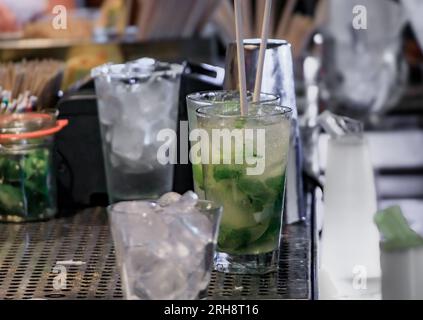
(29,254)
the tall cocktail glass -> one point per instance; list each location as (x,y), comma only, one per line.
(248,179)
(136,101)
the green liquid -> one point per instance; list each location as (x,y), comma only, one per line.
(252,209)
(252,204)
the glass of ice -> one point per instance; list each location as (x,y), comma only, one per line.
(209,98)
(245,172)
(165,248)
(136,101)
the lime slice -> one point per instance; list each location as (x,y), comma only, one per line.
(232,239)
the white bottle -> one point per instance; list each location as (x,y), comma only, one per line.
(349,250)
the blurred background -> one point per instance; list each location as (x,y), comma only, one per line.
(387,54)
(366,64)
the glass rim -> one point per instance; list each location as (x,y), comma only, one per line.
(193,96)
(283,111)
(214,206)
(105,71)
(257,41)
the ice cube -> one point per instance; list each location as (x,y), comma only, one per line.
(169,198)
(165,248)
(127,142)
(114,160)
(135,207)
(139,222)
(130,98)
(167,282)
(143,260)
(164,122)
(149,138)
(147,229)
(199,224)
(152,276)
(191,225)
(182,250)
(187,236)
(145,63)
(188,201)
(159,96)
(108,135)
(143,66)
(199,278)
(109,108)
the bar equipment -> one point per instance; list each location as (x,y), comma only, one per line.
(350,241)
(308,122)
(401,254)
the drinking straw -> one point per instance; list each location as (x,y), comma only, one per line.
(34,76)
(262,52)
(25,102)
(241,59)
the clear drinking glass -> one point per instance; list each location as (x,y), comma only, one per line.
(165,252)
(135,101)
(248,179)
(208,98)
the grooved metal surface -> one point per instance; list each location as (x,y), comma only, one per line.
(29,252)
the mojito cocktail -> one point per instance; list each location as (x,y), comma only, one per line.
(210,98)
(252,190)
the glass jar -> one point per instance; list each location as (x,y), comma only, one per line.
(27,180)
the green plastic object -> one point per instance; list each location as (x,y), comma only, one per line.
(395,230)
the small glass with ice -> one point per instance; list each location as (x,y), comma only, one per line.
(136,101)
(165,248)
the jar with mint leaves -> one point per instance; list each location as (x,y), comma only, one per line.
(27,179)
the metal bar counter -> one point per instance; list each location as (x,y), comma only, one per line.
(29,253)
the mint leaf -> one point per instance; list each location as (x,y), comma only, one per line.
(256,192)
(227,171)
